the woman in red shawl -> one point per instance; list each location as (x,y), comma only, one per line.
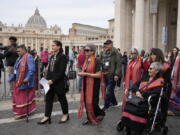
(90,87)
(174,103)
(156,55)
(173,56)
(133,72)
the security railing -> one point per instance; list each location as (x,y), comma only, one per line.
(6,93)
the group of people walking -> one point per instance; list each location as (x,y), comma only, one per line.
(141,76)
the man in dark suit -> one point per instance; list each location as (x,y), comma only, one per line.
(1,62)
(55,77)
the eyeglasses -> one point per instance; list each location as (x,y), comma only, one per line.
(87,50)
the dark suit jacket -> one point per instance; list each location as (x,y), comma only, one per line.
(58,74)
(1,61)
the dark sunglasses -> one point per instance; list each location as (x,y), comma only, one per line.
(152,54)
(151,68)
(87,50)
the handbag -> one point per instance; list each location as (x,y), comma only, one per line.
(71,75)
(135,100)
(137,106)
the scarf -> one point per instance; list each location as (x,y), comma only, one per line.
(22,70)
(134,70)
(145,85)
(176,72)
(87,97)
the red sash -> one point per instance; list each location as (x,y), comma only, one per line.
(22,70)
(89,67)
(145,86)
(165,67)
(175,72)
(133,71)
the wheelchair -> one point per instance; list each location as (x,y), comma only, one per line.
(156,116)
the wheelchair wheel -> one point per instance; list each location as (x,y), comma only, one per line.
(165,130)
(120,126)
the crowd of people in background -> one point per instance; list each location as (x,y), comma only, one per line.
(104,71)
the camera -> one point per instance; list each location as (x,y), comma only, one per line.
(106,65)
(4,47)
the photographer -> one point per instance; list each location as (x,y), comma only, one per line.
(11,55)
(111,68)
(1,62)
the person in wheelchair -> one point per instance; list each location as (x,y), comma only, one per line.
(135,113)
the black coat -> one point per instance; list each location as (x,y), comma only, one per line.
(58,74)
(1,61)
(10,55)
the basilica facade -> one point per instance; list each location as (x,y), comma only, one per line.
(36,35)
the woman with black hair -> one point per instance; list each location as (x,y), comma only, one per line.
(156,55)
(173,56)
(55,76)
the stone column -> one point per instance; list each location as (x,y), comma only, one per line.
(139,24)
(37,45)
(26,41)
(178,26)
(119,36)
(154,30)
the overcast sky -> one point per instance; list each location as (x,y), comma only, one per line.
(60,12)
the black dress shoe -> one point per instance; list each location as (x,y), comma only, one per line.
(120,126)
(44,122)
(64,121)
(100,117)
(86,122)
(105,109)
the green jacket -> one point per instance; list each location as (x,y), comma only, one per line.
(115,67)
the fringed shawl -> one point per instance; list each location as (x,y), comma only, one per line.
(22,70)
(134,70)
(87,97)
(144,86)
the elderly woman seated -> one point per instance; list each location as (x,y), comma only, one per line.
(134,117)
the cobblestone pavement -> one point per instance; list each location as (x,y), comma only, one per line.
(8,126)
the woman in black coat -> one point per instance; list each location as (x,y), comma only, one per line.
(55,76)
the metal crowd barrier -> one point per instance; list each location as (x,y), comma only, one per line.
(6,93)
(4,86)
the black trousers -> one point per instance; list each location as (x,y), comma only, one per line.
(50,99)
(71,65)
(0,74)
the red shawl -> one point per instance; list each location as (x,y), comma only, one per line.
(133,72)
(144,84)
(22,70)
(87,97)
(146,64)
(175,73)
(165,67)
